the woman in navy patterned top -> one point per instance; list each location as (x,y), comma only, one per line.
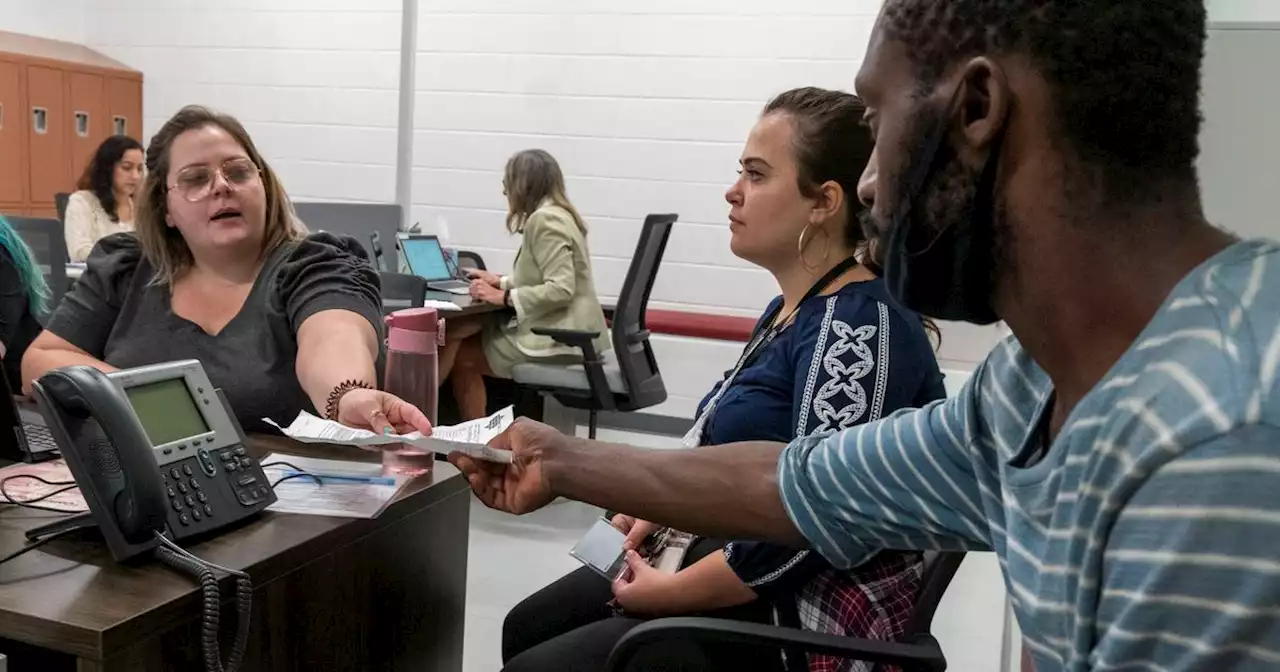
(832,352)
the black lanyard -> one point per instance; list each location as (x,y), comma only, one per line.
(765,334)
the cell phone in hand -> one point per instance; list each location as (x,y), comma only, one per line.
(601,550)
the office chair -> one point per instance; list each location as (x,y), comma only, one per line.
(60,202)
(46,240)
(916,651)
(627,379)
(375,246)
(468,259)
(402,288)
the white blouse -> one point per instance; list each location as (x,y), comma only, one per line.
(86,223)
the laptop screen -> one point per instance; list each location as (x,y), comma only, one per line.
(425,258)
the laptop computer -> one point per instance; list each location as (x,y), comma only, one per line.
(23,434)
(426,259)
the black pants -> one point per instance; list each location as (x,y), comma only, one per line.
(569,627)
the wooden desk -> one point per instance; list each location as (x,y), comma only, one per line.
(329,593)
(469,307)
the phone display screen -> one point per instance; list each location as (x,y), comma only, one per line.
(167,411)
(601,549)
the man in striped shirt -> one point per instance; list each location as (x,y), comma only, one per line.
(1121,454)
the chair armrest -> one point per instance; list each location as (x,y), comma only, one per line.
(924,655)
(571,337)
(592,362)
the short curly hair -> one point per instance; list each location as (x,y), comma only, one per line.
(1124,74)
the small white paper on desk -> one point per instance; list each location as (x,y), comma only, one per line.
(334,498)
(468,438)
(447,306)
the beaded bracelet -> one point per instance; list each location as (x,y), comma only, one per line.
(331,407)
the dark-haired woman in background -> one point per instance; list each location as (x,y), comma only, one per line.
(833,351)
(104,204)
(23,294)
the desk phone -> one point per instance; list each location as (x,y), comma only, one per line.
(154,449)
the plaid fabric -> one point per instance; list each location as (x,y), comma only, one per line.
(872,601)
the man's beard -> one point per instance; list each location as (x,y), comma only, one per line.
(953,233)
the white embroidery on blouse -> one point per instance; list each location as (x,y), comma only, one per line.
(882,372)
(841,401)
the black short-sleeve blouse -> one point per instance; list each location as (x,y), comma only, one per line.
(118,314)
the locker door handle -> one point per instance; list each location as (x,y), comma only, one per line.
(40,120)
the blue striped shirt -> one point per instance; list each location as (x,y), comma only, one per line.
(1148,535)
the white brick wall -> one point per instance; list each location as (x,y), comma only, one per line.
(1244,11)
(315,81)
(52,19)
(646,107)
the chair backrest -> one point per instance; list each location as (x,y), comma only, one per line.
(60,201)
(469,259)
(630,338)
(375,248)
(939,569)
(403,287)
(357,220)
(46,240)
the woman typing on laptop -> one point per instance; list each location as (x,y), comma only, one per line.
(221,270)
(550,287)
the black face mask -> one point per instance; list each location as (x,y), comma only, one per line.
(944,269)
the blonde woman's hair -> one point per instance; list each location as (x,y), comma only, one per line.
(532,176)
(164,247)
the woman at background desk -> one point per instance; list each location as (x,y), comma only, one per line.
(833,351)
(550,287)
(104,203)
(222,271)
(23,295)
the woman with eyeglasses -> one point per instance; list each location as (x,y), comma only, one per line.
(221,270)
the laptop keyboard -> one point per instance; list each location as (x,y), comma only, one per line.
(39,439)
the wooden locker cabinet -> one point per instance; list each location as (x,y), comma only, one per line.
(58,102)
(13,146)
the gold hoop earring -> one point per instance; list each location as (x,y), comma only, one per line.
(826,249)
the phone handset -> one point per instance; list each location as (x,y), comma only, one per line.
(103,441)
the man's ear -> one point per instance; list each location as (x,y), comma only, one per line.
(981,103)
(828,203)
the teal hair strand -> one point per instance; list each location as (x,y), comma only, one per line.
(28,271)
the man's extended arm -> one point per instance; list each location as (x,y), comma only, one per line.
(907,482)
(720,491)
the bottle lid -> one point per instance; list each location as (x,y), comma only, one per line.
(414,319)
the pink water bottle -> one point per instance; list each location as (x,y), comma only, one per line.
(412,374)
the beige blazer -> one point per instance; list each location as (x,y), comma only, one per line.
(86,223)
(552,286)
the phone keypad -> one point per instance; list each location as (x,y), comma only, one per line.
(249,488)
(186,492)
(196,491)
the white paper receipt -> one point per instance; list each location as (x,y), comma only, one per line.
(468,438)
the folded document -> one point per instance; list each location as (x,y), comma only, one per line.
(468,438)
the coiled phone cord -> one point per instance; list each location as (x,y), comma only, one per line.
(176,557)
